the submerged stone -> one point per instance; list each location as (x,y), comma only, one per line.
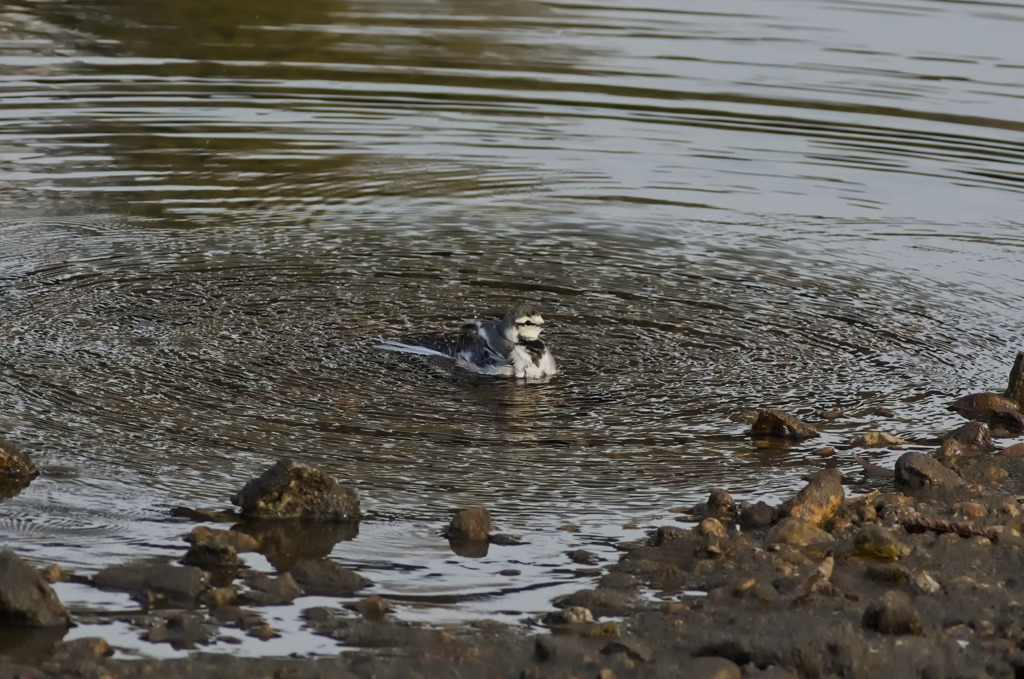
(322,577)
(180,585)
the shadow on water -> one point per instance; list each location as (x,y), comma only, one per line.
(212,212)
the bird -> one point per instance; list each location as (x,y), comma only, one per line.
(509,347)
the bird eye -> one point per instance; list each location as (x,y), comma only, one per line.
(527,322)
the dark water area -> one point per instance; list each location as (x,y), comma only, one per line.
(210,213)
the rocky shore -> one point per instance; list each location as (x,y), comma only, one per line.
(920,573)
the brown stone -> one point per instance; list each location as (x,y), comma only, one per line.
(711,527)
(818,500)
(778,424)
(970,509)
(878,542)
(291,490)
(917,470)
(894,614)
(973,437)
(1016,450)
(720,502)
(796,532)
(26,599)
(470,524)
(148,579)
(756,515)
(991,408)
(1015,388)
(875,439)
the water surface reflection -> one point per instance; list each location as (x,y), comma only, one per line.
(212,212)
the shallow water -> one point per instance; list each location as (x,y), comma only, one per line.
(210,213)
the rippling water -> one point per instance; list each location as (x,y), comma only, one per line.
(211,212)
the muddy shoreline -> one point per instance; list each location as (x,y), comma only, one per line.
(918,572)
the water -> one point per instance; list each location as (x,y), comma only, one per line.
(211,212)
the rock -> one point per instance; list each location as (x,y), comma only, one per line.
(180,585)
(825,451)
(372,607)
(796,532)
(291,490)
(712,667)
(950,453)
(778,424)
(470,524)
(15,463)
(263,632)
(878,542)
(711,527)
(667,534)
(26,599)
(506,540)
(720,502)
(756,515)
(561,647)
(570,615)
(16,469)
(212,557)
(269,591)
(181,630)
(973,437)
(322,577)
(635,649)
(917,470)
(602,602)
(894,614)
(219,597)
(583,556)
(970,509)
(79,650)
(991,408)
(1015,388)
(818,500)
(925,584)
(236,539)
(1016,450)
(875,439)
(53,573)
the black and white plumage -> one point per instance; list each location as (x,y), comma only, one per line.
(510,347)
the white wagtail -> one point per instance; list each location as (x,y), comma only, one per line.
(510,347)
